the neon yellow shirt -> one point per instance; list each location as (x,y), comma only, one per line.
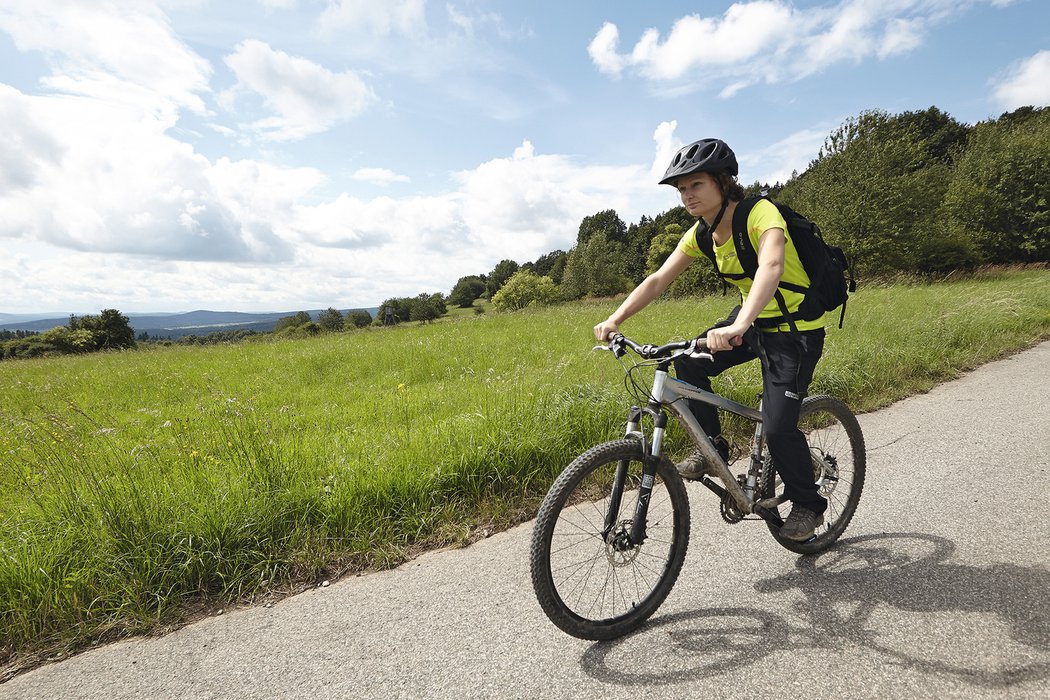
(763,216)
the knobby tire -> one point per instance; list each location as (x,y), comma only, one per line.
(586,585)
(833,433)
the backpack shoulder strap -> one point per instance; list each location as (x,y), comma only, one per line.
(748,256)
(745,251)
(704,242)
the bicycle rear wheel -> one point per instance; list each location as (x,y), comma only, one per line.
(839,462)
(590,580)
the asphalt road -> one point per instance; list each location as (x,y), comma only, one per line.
(939,588)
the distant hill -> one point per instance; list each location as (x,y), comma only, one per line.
(172,325)
(25,318)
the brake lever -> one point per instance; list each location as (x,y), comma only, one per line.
(699,354)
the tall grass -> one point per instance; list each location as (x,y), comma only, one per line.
(134,484)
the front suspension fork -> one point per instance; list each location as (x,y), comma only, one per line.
(650,463)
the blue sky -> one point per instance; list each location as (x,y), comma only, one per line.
(271,155)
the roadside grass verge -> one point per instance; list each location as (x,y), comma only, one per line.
(138,485)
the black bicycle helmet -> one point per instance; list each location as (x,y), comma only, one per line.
(703,156)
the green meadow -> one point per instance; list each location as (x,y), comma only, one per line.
(140,487)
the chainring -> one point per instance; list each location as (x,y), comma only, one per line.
(727,506)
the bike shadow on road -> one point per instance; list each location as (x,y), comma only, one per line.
(896,596)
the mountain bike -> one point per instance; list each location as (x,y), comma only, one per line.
(611,535)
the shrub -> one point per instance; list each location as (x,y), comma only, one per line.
(525,288)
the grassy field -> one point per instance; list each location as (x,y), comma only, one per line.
(137,485)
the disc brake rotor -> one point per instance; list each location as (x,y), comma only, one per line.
(618,547)
(825,471)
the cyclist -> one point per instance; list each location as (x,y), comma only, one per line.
(704,173)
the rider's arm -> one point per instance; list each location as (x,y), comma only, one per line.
(651,287)
(767,277)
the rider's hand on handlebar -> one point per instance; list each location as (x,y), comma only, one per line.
(719,339)
(605,329)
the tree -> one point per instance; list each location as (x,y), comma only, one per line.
(467,289)
(296,320)
(662,247)
(558,271)
(942,136)
(551,265)
(525,288)
(999,196)
(640,237)
(110,330)
(437,299)
(427,307)
(763,189)
(503,271)
(358,318)
(699,278)
(606,222)
(876,186)
(330,320)
(593,270)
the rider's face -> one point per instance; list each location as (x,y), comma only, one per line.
(701,195)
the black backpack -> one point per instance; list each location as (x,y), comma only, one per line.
(826,266)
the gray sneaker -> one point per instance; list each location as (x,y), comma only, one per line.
(694,466)
(801,524)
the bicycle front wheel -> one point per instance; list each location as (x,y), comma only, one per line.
(589,578)
(839,461)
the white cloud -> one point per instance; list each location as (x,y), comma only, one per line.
(458,19)
(91,166)
(377,19)
(529,204)
(95,176)
(667,144)
(307,97)
(733,88)
(776,162)
(901,36)
(124,53)
(379,176)
(772,40)
(517,207)
(745,31)
(1027,83)
(602,50)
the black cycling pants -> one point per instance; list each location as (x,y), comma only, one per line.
(788,361)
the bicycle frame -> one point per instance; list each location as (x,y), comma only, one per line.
(670,394)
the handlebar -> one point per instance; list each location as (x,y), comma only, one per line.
(619,344)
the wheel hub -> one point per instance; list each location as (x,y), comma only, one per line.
(619,549)
(826,471)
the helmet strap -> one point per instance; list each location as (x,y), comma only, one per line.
(718,218)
